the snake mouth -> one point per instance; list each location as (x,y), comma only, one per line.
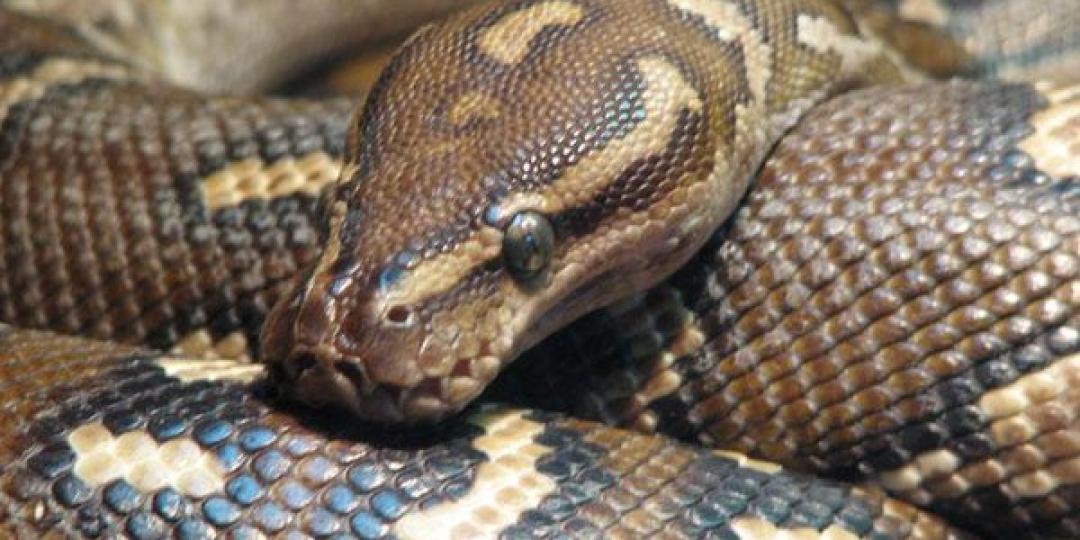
(324,377)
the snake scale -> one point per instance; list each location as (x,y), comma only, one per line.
(893,304)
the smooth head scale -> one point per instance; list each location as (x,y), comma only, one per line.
(518,166)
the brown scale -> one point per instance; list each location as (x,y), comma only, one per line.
(72,468)
(236,282)
(117,173)
(899,258)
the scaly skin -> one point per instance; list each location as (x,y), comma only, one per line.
(897,301)
(104,441)
(630,127)
(133,210)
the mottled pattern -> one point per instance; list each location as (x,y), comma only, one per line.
(86,416)
(634,145)
(893,303)
(897,300)
(160,237)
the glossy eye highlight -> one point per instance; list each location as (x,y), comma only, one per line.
(527,244)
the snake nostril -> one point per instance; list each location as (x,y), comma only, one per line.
(399,316)
(301,363)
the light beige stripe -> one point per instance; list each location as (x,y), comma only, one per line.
(200,344)
(505,486)
(759,529)
(474,105)
(55,72)
(742,460)
(728,22)
(148,466)
(252,179)
(1032,420)
(508,40)
(927,11)
(821,34)
(1055,144)
(667,93)
(202,369)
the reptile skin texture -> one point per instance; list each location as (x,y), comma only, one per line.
(103,441)
(892,305)
(631,154)
(896,301)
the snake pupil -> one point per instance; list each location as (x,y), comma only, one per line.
(527,244)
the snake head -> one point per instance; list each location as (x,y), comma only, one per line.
(512,169)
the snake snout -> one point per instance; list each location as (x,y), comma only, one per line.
(372,358)
(322,376)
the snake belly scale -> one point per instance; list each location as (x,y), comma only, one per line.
(517,166)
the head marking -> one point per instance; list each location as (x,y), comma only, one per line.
(821,35)
(472,106)
(508,41)
(667,93)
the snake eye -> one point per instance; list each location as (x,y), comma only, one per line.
(527,244)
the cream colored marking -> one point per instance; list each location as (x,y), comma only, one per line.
(440,274)
(1015,412)
(508,40)
(199,344)
(202,369)
(728,22)
(755,125)
(667,93)
(1055,144)
(55,72)
(474,106)
(927,11)
(747,528)
(505,485)
(138,459)
(333,243)
(820,34)
(722,16)
(1058,91)
(1050,383)
(927,466)
(254,179)
(743,461)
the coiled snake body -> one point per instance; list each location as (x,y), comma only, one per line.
(893,303)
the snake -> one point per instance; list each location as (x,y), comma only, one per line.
(774,279)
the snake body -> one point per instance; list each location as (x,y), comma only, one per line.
(894,302)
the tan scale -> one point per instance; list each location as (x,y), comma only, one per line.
(1056,141)
(191,369)
(473,106)
(53,72)
(148,466)
(505,485)
(254,179)
(508,40)
(759,529)
(201,344)
(844,395)
(927,11)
